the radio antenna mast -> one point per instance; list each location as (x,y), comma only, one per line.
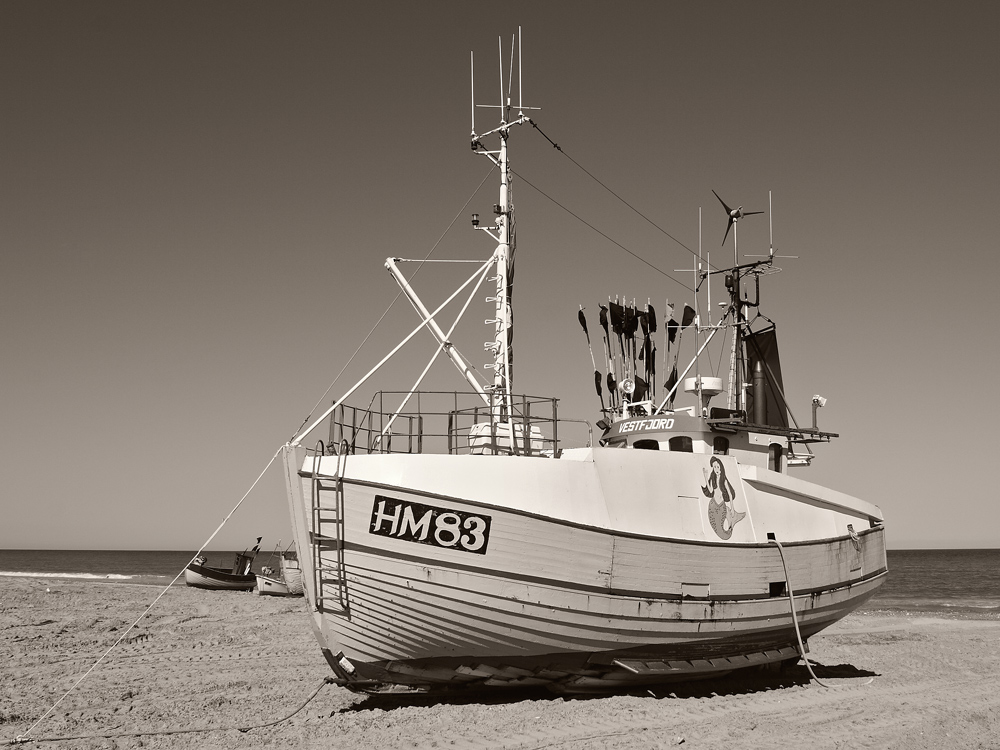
(500,51)
(502,231)
(520,82)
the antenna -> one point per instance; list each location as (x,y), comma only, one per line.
(697,281)
(770,229)
(697,275)
(472,75)
(697,322)
(500,48)
(510,75)
(770,225)
(520,89)
(506,95)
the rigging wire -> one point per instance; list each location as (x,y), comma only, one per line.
(598,181)
(722,349)
(394,300)
(579,218)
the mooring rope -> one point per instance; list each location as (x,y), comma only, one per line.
(795,619)
(25,736)
(22,739)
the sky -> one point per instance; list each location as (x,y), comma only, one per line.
(197,199)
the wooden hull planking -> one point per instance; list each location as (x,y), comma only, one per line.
(560,602)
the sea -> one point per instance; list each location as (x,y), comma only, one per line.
(927,580)
(151,567)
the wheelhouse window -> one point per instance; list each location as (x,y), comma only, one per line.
(720,446)
(647,445)
(774,457)
(681,444)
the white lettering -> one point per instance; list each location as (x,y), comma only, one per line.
(450,524)
(380,515)
(420,529)
(648,424)
(475,538)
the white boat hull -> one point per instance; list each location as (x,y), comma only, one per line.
(267,586)
(595,570)
(291,574)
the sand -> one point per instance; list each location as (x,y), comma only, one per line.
(219,660)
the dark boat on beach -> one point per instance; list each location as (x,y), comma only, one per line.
(240,578)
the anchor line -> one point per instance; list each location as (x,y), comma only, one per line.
(795,620)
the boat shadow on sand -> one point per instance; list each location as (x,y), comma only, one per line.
(732,684)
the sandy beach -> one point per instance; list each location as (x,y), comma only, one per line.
(217,661)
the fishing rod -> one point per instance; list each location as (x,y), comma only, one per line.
(597,375)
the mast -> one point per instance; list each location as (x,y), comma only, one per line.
(504,328)
(733,283)
(501,406)
(738,323)
(737,307)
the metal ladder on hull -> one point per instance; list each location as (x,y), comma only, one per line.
(327,534)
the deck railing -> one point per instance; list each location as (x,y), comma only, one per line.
(449,422)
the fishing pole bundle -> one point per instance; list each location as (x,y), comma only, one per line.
(630,350)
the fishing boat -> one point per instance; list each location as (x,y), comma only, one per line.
(270,586)
(464,539)
(286,581)
(239,578)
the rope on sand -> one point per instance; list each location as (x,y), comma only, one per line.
(23,739)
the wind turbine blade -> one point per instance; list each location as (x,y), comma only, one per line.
(728,227)
(728,209)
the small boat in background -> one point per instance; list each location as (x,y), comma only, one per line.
(287,581)
(240,578)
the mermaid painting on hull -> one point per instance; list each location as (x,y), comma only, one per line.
(721,513)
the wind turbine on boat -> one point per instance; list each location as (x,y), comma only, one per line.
(735,214)
(736,399)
